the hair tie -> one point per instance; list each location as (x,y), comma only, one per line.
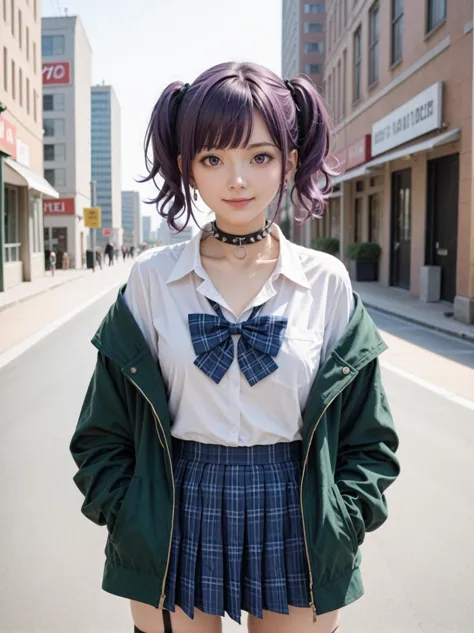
(292,90)
(182,92)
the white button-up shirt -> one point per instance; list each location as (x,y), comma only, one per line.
(312,289)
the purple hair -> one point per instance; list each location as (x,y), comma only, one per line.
(216,112)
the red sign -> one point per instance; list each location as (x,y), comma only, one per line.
(56,73)
(7,137)
(61,206)
(358,153)
(106,232)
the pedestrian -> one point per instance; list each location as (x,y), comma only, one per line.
(98,258)
(109,252)
(124,253)
(236,438)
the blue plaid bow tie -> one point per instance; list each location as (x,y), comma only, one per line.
(260,339)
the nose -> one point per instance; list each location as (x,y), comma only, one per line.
(237,180)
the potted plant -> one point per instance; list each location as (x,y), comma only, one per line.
(364,261)
(326,245)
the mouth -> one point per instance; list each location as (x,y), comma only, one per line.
(239,202)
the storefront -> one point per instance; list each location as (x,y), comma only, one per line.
(21,238)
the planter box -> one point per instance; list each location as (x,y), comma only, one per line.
(363,271)
(430,283)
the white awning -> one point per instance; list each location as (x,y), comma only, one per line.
(423,146)
(23,176)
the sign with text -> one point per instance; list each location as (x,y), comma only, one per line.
(7,137)
(93,217)
(106,232)
(56,73)
(61,206)
(355,154)
(416,117)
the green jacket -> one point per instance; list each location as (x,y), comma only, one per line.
(122,447)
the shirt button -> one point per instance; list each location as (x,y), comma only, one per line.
(346,371)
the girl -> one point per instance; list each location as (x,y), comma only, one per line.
(235,437)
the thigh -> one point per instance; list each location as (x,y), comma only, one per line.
(300,620)
(150,620)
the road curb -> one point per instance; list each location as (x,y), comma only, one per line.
(431,326)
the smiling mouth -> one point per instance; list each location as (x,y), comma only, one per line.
(239,201)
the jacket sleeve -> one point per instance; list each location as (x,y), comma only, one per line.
(366,463)
(102,446)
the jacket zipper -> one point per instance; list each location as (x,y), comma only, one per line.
(311,603)
(158,421)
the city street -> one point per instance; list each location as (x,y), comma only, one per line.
(418,568)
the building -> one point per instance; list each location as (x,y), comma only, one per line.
(22,186)
(166,236)
(146,228)
(106,162)
(303,51)
(399,82)
(67,77)
(131,219)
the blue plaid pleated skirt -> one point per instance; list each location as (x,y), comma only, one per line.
(238,541)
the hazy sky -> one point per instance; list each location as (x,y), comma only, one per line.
(139,46)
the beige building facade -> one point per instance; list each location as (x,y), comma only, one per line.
(400,88)
(22,186)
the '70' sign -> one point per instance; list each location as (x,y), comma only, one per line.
(56,73)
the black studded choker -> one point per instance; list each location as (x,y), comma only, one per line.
(240,252)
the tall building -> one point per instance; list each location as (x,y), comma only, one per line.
(67,72)
(106,162)
(303,51)
(167,236)
(146,224)
(131,219)
(399,79)
(22,186)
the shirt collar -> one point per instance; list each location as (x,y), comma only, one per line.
(289,263)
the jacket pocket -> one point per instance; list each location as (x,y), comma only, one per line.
(346,518)
(128,500)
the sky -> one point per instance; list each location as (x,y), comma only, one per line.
(139,46)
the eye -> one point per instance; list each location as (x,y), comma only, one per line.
(261,159)
(211,161)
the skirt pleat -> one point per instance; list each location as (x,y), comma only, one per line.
(238,537)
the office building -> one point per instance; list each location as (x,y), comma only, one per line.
(106,162)
(131,219)
(399,83)
(22,185)
(67,76)
(146,228)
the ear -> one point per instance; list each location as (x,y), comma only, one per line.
(291,164)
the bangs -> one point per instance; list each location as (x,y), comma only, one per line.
(225,118)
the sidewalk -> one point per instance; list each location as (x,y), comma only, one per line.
(29,289)
(400,303)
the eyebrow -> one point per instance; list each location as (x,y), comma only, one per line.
(265,144)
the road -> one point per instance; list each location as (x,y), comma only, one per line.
(418,568)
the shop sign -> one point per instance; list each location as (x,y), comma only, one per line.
(355,154)
(420,115)
(56,73)
(106,232)
(7,137)
(61,206)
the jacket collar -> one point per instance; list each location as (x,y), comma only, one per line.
(289,263)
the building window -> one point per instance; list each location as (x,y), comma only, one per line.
(34,57)
(20,85)
(56,177)
(358,220)
(20,29)
(357,64)
(54,152)
(397,31)
(27,95)
(314,7)
(374,218)
(35,10)
(374,22)
(12,15)
(53,102)
(27,43)
(5,69)
(436,13)
(5,10)
(52,45)
(313,69)
(54,127)
(313,27)
(13,80)
(11,226)
(35,106)
(313,47)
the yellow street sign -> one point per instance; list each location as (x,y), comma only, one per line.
(93,217)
